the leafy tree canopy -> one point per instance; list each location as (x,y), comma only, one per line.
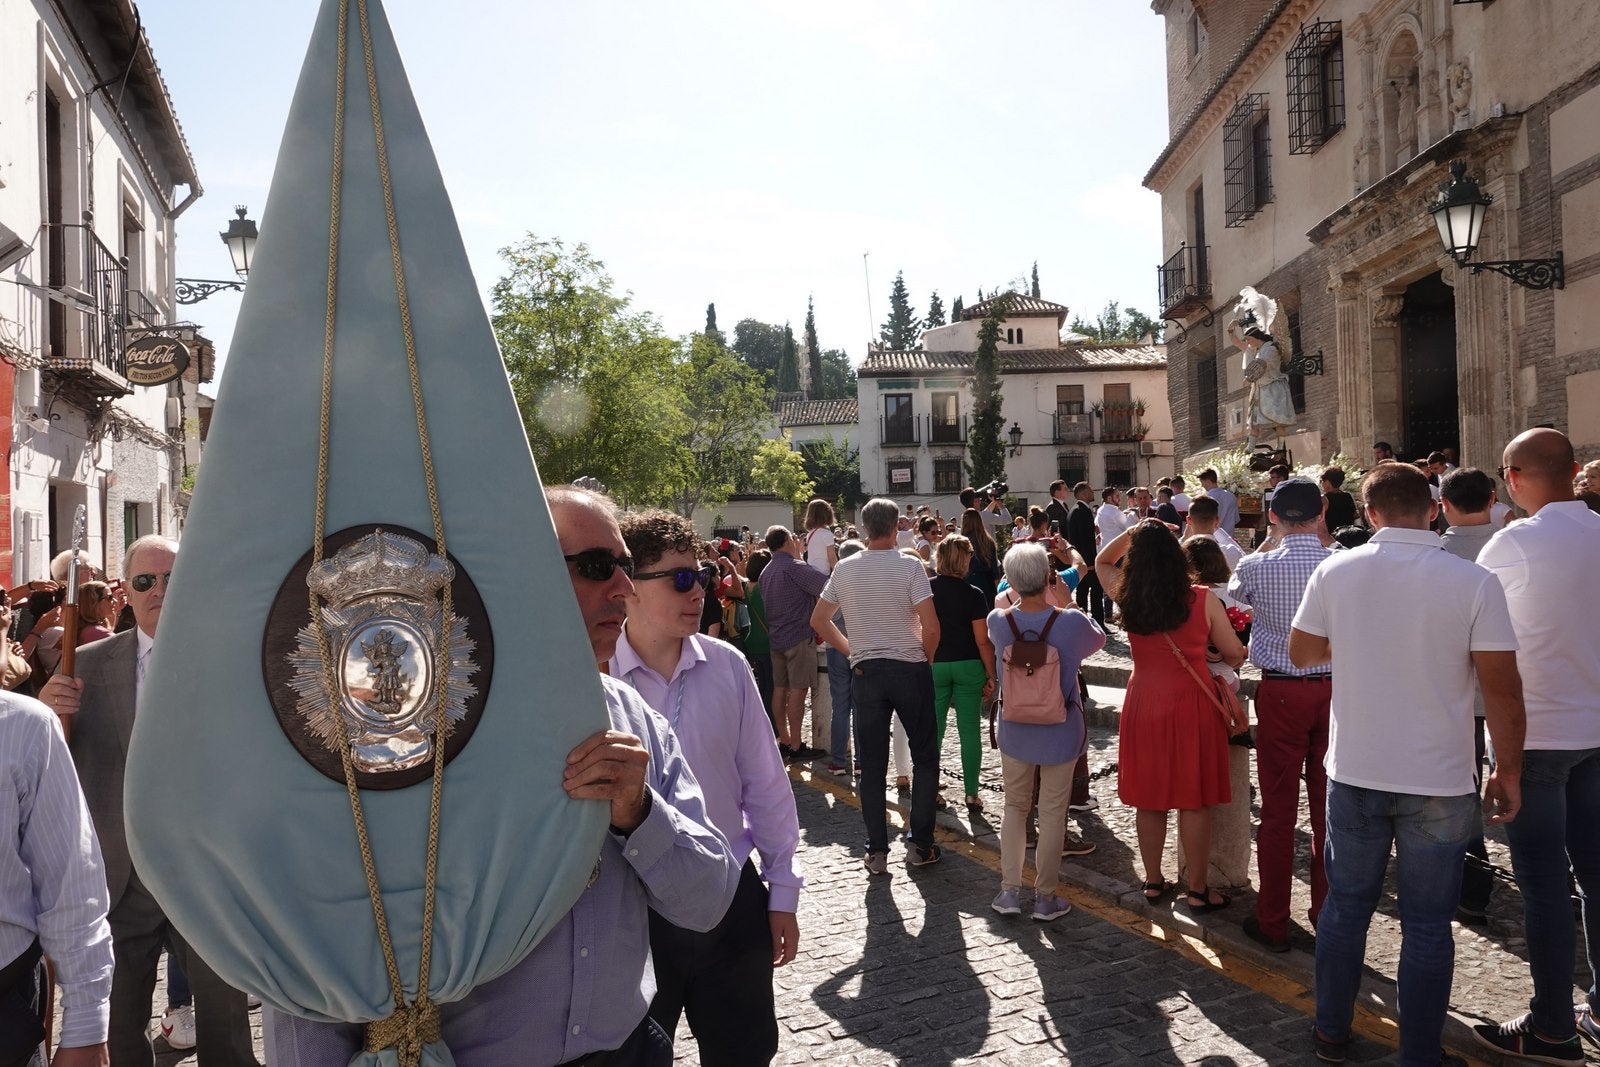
(835,467)
(781,471)
(838,376)
(759,345)
(724,408)
(1114,324)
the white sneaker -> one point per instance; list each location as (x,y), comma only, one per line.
(1051,907)
(177,1027)
(1088,805)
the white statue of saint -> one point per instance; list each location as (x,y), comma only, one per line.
(1270,405)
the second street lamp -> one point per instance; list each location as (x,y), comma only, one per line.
(1459,213)
(240,238)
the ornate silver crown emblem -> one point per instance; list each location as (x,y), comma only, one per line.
(384,620)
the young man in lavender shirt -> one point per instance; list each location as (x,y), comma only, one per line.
(721,979)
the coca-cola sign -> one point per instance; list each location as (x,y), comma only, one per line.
(156,360)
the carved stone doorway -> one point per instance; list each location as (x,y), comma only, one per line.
(1430,408)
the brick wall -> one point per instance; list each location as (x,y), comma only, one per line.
(1226,26)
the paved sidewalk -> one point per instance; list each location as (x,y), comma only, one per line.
(1492,982)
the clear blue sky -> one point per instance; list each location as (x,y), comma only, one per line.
(739,151)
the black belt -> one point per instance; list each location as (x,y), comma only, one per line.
(1279,676)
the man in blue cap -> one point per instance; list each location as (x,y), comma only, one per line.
(581,996)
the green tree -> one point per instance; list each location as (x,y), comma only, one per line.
(813,352)
(903,327)
(956,308)
(1036,279)
(787,378)
(594,380)
(935,312)
(835,467)
(711,326)
(838,376)
(759,345)
(724,408)
(780,470)
(1115,325)
(987,450)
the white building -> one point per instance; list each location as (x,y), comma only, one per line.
(94,172)
(1086,412)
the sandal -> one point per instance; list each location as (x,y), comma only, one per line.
(1206,904)
(1156,892)
(974,804)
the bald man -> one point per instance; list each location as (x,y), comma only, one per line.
(1547,565)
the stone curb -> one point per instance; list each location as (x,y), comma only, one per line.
(1297,965)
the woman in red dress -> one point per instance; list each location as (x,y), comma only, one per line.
(1173,747)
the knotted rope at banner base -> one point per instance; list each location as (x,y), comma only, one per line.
(410,1026)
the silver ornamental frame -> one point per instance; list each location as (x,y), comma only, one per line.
(382,614)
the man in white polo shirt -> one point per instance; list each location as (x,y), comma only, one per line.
(1401,768)
(1547,564)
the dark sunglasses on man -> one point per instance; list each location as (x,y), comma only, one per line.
(143,583)
(598,564)
(683,578)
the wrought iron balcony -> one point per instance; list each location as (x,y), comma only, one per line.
(1073,428)
(86,316)
(1184,282)
(942,431)
(903,430)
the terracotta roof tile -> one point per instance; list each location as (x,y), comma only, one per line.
(887,364)
(818,412)
(1020,305)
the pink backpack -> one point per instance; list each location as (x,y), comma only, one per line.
(1030,689)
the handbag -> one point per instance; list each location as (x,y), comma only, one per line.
(1234,719)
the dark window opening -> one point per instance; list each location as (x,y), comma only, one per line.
(1207,425)
(1316,87)
(1247,159)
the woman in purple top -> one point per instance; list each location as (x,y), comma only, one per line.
(1051,749)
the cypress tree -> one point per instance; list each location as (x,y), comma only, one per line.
(813,352)
(988,451)
(956,309)
(935,312)
(901,330)
(711,326)
(1036,279)
(788,377)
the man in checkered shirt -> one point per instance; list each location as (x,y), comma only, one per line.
(1292,707)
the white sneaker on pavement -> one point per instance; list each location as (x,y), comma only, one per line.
(1009,902)
(1088,805)
(177,1027)
(1050,907)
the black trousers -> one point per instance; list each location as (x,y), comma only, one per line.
(23,982)
(139,930)
(1091,597)
(722,980)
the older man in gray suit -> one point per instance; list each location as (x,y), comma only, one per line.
(97,710)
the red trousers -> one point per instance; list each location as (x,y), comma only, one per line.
(1291,740)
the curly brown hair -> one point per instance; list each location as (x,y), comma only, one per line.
(653,533)
(1154,587)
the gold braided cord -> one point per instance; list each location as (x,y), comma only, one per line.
(411,1026)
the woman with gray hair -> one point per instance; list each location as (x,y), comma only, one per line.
(1052,748)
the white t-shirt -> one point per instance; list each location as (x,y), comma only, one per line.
(1404,617)
(1110,521)
(1181,501)
(1548,567)
(1498,513)
(1230,548)
(878,591)
(818,542)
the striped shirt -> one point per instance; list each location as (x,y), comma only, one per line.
(52,884)
(878,591)
(1272,585)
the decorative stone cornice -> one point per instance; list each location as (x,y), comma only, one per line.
(1265,45)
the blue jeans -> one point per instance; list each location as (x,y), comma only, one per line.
(839,692)
(1429,836)
(884,687)
(1558,827)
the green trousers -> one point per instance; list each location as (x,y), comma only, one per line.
(961,683)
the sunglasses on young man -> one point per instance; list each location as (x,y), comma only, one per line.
(598,564)
(683,578)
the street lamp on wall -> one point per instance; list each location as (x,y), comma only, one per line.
(240,238)
(1459,213)
(1015,433)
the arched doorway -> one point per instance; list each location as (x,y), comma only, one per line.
(1430,408)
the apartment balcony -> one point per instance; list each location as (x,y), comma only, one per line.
(903,432)
(1072,428)
(942,431)
(86,318)
(1184,282)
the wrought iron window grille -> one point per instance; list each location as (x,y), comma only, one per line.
(1247,159)
(1316,87)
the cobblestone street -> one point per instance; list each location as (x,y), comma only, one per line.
(915,968)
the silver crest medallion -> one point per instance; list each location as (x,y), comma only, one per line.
(384,620)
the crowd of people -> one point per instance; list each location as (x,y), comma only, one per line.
(708,651)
